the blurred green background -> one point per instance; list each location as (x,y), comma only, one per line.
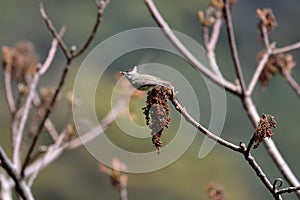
(75,175)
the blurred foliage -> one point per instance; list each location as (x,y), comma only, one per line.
(76,176)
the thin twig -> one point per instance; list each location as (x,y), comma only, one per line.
(257,72)
(101,7)
(48,153)
(250,144)
(291,81)
(51,53)
(216,31)
(55,34)
(201,128)
(205,35)
(233,47)
(50,127)
(8,91)
(287,48)
(261,175)
(185,52)
(95,132)
(264,32)
(210,43)
(24,118)
(288,190)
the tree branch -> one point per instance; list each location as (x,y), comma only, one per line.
(69,57)
(185,52)
(95,132)
(233,46)
(43,69)
(30,97)
(8,90)
(101,7)
(201,128)
(270,145)
(55,150)
(291,81)
(19,134)
(55,34)
(287,48)
(6,187)
(216,31)
(257,72)
(288,190)
(21,187)
(241,149)
(247,101)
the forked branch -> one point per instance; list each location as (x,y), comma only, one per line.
(70,55)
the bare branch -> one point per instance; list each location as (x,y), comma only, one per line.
(205,35)
(201,128)
(288,190)
(6,188)
(185,52)
(287,48)
(265,35)
(21,187)
(69,58)
(47,113)
(261,175)
(257,72)
(291,81)
(8,91)
(54,32)
(51,53)
(56,150)
(241,149)
(52,151)
(270,145)
(101,7)
(51,129)
(7,78)
(210,43)
(19,134)
(233,47)
(250,144)
(105,122)
(216,31)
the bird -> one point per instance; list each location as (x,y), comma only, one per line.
(144,82)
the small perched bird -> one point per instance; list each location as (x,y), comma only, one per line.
(144,81)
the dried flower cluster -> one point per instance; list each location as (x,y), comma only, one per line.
(219,4)
(157,113)
(263,128)
(215,192)
(276,64)
(21,61)
(208,16)
(267,18)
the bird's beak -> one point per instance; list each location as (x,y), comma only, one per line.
(122,72)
